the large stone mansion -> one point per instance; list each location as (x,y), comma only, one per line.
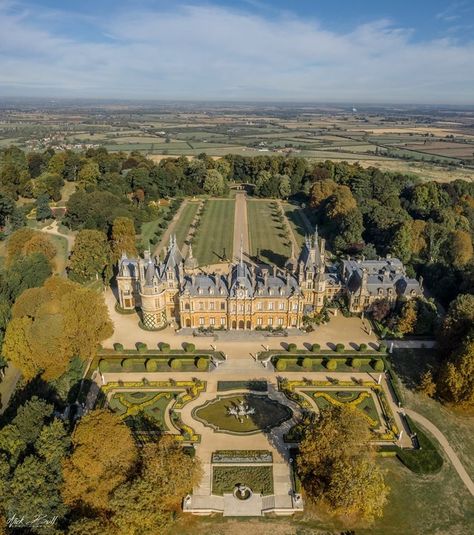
(173,291)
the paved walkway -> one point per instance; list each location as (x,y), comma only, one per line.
(424,422)
(241,231)
(54,230)
(8,385)
(411,344)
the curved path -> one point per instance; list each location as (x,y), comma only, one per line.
(446,447)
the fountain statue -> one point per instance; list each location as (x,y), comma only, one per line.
(241,411)
(242,492)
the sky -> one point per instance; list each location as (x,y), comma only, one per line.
(398,51)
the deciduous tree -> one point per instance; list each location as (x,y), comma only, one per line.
(103,457)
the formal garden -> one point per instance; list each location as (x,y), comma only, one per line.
(151,408)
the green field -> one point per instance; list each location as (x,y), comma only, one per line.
(267,236)
(181,228)
(215,234)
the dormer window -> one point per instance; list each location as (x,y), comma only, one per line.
(200,291)
(211,291)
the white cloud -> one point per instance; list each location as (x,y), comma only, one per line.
(206,52)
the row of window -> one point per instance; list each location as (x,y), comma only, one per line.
(212,321)
(241,307)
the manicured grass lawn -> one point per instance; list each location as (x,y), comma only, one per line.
(268,413)
(293,214)
(258,478)
(426,460)
(215,235)
(181,228)
(266,234)
(150,227)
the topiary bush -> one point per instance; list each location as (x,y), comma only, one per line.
(307,363)
(189,348)
(378,365)
(118,347)
(176,364)
(151,365)
(315,348)
(164,346)
(382,347)
(340,348)
(281,365)
(356,363)
(127,364)
(141,347)
(291,348)
(331,364)
(104,366)
(201,363)
(362,347)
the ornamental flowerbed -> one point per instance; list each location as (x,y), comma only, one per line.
(242,456)
(258,478)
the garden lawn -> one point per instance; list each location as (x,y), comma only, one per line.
(258,478)
(181,228)
(215,234)
(268,413)
(267,236)
(293,214)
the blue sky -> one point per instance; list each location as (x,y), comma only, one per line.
(354,51)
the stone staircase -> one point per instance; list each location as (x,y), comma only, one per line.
(236,366)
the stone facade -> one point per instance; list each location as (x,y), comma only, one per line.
(171,291)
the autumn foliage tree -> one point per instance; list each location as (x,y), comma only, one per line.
(337,464)
(90,256)
(123,238)
(26,241)
(103,456)
(54,323)
(145,505)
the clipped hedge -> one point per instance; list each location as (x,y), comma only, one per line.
(291,348)
(104,366)
(355,363)
(307,363)
(201,363)
(378,365)
(340,348)
(164,346)
(176,364)
(151,365)
(382,347)
(362,347)
(127,364)
(118,347)
(190,348)
(141,347)
(331,364)
(281,365)
(315,348)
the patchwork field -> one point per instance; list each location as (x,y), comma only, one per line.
(267,235)
(214,237)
